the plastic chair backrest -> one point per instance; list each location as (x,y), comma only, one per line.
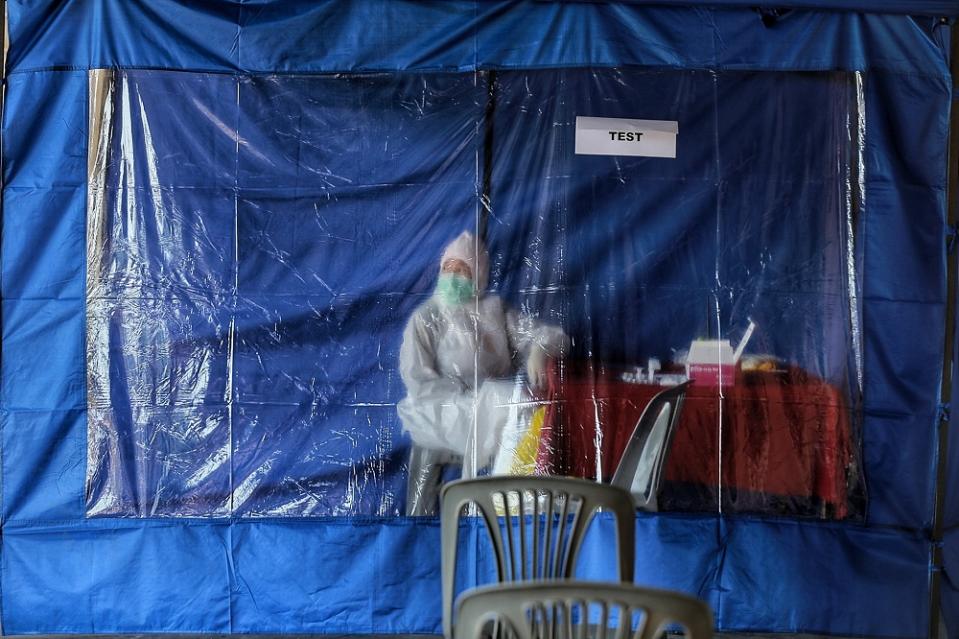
(544,520)
(641,466)
(579,609)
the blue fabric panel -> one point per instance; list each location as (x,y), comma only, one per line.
(281,36)
(185,35)
(920,7)
(109,576)
(791,577)
(45,168)
(901,377)
(43,355)
(904,290)
(950,583)
(569,34)
(951,456)
(435,34)
(339,576)
(44,253)
(951,484)
(45,131)
(951,506)
(674,552)
(46,481)
(903,113)
(44,246)
(899,457)
(915,271)
(383,577)
(951,479)
(812,40)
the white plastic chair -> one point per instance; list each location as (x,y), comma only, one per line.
(544,521)
(577,610)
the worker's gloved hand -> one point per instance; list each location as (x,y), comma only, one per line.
(536,367)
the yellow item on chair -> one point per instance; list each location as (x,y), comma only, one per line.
(524,459)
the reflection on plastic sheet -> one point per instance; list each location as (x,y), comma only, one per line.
(327,295)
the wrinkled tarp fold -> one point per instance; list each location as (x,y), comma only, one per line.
(461,35)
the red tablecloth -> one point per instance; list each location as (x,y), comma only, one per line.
(772,433)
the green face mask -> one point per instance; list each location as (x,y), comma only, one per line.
(452,289)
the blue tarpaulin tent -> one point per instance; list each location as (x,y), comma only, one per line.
(218,216)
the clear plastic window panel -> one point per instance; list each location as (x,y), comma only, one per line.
(326,295)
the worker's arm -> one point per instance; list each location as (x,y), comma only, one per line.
(535,342)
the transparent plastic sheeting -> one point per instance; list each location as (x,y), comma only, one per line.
(326,295)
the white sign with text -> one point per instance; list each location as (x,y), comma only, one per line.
(620,136)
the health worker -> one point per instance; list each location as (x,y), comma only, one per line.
(461,360)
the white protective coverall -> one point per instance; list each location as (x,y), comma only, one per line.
(459,361)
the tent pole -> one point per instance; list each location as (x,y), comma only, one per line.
(947,358)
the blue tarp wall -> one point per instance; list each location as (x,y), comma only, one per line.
(63,572)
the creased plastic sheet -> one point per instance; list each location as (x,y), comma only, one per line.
(326,295)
